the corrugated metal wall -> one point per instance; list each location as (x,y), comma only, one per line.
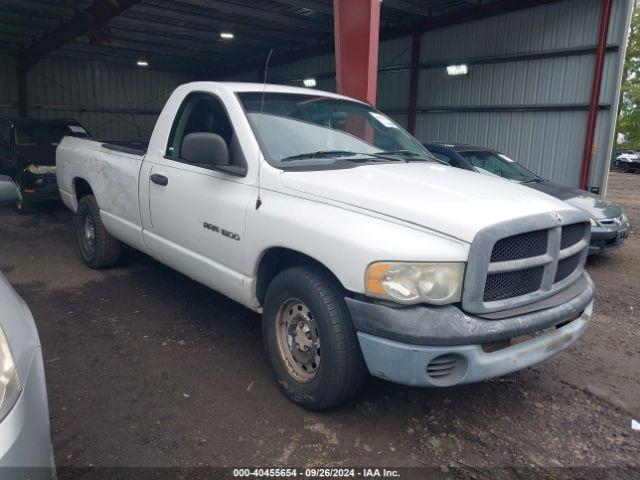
(111,101)
(548,142)
(534,104)
(8,87)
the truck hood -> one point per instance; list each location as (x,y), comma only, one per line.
(595,206)
(449,200)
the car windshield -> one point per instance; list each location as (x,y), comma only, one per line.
(500,165)
(33,134)
(311,130)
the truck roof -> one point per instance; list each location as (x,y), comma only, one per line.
(259,87)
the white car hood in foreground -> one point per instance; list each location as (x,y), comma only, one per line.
(452,201)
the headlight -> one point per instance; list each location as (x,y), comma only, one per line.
(594,223)
(9,380)
(436,283)
(41,169)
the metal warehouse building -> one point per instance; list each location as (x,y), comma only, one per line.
(542,84)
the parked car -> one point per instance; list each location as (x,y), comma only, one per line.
(25,439)
(359,250)
(628,162)
(609,224)
(27,154)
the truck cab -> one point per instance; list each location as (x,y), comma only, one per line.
(363,252)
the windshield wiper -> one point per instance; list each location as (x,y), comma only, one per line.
(400,152)
(339,153)
(534,180)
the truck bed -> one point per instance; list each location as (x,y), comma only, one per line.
(134,146)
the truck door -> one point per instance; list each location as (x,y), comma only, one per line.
(198,213)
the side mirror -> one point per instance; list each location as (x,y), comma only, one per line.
(205,149)
(8,190)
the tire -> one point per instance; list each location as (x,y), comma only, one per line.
(99,249)
(340,371)
(24,206)
(624,167)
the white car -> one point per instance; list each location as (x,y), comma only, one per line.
(628,162)
(361,251)
(25,439)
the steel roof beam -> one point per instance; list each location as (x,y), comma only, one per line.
(98,13)
(207,23)
(408,7)
(203,24)
(313,5)
(296,21)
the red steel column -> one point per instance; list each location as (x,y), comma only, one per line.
(356,26)
(587,153)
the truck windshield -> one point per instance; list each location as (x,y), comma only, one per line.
(501,165)
(32,134)
(306,130)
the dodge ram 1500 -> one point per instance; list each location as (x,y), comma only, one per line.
(360,249)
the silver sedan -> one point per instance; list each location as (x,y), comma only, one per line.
(25,438)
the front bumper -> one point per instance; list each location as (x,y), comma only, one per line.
(25,439)
(442,346)
(39,188)
(605,240)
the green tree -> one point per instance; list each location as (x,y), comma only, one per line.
(629,114)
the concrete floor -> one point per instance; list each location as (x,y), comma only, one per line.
(147,368)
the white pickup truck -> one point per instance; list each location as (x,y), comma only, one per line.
(361,251)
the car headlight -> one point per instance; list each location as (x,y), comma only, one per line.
(9,380)
(594,223)
(41,169)
(403,282)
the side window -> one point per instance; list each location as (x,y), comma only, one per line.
(200,112)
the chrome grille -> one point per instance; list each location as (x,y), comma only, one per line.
(520,262)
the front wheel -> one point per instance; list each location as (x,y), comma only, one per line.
(97,248)
(624,167)
(310,339)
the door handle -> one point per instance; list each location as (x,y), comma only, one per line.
(159,179)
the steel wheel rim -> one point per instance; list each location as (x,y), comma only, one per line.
(298,340)
(88,234)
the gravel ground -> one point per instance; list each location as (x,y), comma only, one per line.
(147,368)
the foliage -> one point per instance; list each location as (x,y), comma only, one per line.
(628,127)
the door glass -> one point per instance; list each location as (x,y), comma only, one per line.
(200,112)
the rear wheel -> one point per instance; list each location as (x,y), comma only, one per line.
(97,248)
(310,340)
(624,167)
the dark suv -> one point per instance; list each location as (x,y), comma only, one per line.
(609,225)
(28,156)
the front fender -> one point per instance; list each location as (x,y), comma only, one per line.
(343,240)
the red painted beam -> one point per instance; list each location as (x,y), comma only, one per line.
(356,34)
(596,85)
